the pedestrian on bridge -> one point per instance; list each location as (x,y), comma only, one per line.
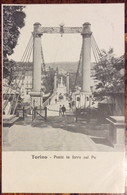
(70,105)
(63,109)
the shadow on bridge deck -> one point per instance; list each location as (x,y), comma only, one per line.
(97,133)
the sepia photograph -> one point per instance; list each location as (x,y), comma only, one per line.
(63,77)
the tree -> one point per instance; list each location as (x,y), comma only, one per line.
(13,21)
(109,73)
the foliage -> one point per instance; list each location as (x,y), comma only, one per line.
(9,69)
(13,21)
(109,73)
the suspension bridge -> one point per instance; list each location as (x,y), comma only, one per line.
(44,109)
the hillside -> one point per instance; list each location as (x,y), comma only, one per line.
(62,66)
(65,66)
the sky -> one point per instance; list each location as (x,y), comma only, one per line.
(107,25)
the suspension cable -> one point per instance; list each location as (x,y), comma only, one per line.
(96,55)
(43,61)
(16,80)
(104,67)
(103,64)
(22,59)
(94,52)
(79,62)
(97,62)
(22,81)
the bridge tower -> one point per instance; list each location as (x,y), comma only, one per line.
(85,95)
(36,94)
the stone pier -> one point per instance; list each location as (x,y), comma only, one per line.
(86,94)
(117,131)
(36,95)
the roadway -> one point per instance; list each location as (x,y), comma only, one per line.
(59,133)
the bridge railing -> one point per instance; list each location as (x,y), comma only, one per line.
(22,112)
(47,102)
(35,113)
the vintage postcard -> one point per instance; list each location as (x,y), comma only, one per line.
(63,123)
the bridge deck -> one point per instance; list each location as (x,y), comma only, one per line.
(59,133)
